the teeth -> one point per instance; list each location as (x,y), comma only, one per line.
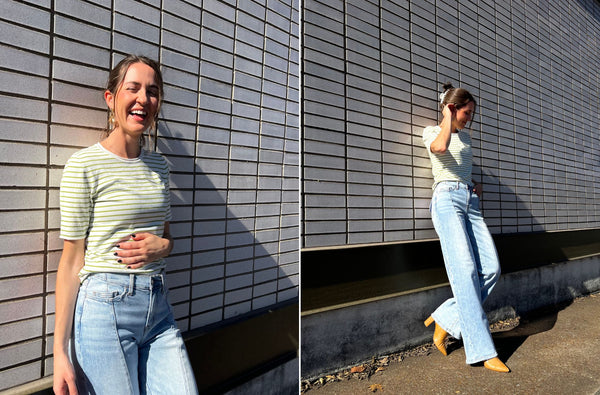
(139,112)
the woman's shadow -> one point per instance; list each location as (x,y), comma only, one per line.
(530,324)
(235,260)
(520,314)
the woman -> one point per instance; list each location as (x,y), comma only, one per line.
(469,253)
(110,290)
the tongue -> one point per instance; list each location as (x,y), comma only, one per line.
(137,117)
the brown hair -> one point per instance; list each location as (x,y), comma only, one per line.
(458,96)
(115,81)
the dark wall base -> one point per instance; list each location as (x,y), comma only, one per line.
(337,276)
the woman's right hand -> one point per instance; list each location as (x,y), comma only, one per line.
(449,112)
(64,376)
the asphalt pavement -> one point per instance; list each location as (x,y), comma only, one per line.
(554,351)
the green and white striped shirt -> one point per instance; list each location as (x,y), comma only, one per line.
(456,163)
(104,198)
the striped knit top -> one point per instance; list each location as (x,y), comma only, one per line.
(456,163)
(104,198)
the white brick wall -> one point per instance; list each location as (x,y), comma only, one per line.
(229,130)
(373,71)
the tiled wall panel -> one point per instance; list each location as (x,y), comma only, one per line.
(228,128)
(372,73)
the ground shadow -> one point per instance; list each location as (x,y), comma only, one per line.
(510,338)
(530,324)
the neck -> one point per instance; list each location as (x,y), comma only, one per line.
(122,144)
(445,123)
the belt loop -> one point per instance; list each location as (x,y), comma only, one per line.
(131,284)
(162,281)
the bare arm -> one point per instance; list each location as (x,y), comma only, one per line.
(442,141)
(67,286)
(143,248)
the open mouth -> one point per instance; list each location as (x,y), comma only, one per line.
(139,115)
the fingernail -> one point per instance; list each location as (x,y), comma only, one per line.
(118,246)
(120,261)
(128,267)
(115,254)
(133,235)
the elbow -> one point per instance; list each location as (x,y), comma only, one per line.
(439,150)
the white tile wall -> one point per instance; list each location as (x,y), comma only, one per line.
(373,71)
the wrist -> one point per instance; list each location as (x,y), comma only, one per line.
(168,245)
(60,351)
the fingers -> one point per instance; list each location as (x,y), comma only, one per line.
(134,258)
(65,385)
(134,237)
(72,387)
(136,250)
(136,265)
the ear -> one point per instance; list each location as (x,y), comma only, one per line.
(110,99)
(452,107)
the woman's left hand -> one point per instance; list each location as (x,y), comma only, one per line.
(478,190)
(142,248)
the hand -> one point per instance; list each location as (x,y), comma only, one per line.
(478,189)
(64,376)
(142,248)
(449,112)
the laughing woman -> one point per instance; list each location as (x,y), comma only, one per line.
(469,253)
(114,330)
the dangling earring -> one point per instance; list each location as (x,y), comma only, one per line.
(111,121)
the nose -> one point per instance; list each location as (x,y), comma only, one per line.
(142,96)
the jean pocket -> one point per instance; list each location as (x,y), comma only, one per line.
(102,291)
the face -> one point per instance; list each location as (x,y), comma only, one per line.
(464,115)
(136,101)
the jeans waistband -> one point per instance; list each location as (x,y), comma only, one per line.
(131,281)
(455,184)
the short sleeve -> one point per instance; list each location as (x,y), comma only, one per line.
(75,201)
(429,135)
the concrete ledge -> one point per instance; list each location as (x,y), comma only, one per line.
(336,338)
(282,380)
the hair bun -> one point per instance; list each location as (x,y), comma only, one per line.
(447,85)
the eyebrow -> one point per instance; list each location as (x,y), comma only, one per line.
(139,84)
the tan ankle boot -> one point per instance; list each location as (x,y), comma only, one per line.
(439,335)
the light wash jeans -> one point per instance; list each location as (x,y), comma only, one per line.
(125,338)
(471,264)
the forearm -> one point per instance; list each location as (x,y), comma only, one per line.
(66,295)
(442,141)
(67,286)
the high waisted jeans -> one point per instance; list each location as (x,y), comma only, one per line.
(471,264)
(125,338)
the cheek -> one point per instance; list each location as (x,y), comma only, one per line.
(154,106)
